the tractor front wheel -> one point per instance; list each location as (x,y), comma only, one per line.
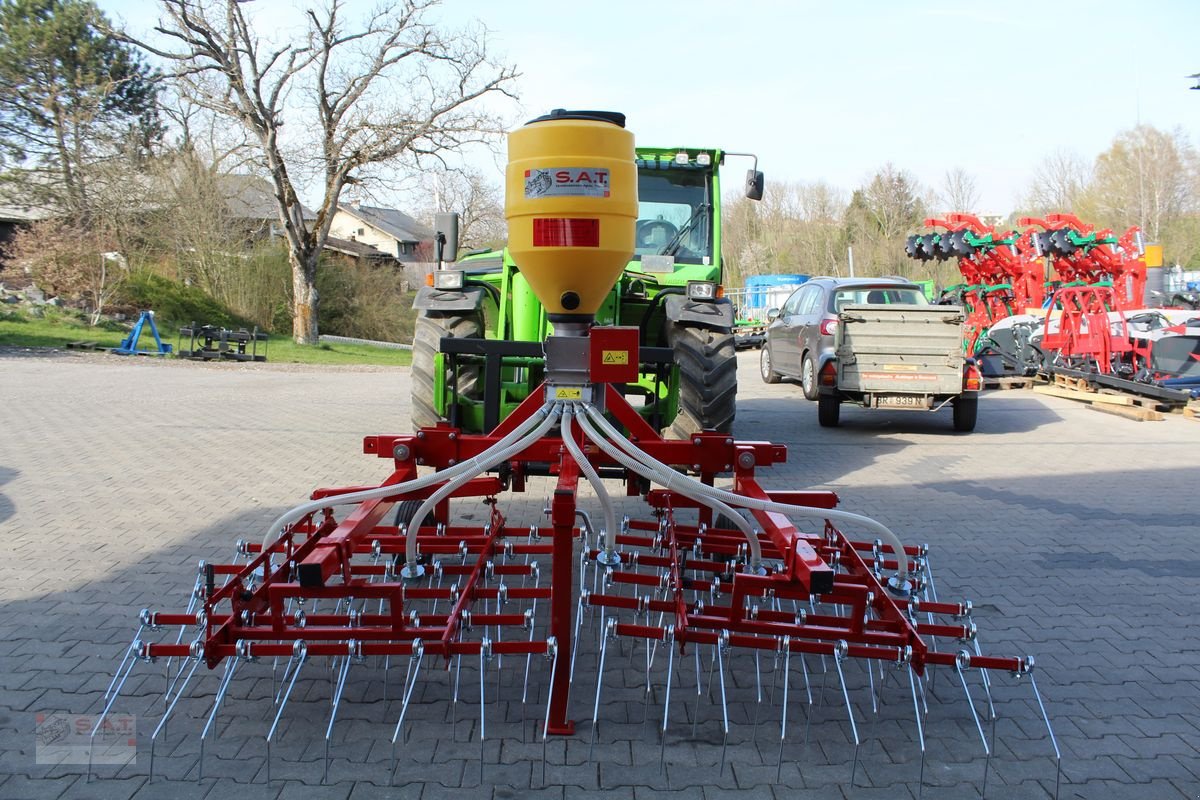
(431,328)
(707,361)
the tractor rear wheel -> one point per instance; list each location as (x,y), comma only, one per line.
(707,362)
(431,327)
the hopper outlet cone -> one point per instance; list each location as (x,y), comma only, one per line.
(571,205)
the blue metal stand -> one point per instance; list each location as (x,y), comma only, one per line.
(129,345)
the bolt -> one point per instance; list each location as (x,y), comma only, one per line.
(401,452)
(453,437)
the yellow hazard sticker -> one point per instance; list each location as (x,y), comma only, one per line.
(900,367)
(575,393)
(614,357)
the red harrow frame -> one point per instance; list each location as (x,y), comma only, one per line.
(330,585)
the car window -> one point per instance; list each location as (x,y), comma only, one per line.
(790,305)
(856,295)
(810,301)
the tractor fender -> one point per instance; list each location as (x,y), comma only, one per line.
(430,299)
(717,315)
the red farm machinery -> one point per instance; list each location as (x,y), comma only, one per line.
(391,579)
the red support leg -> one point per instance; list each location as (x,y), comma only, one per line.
(562,516)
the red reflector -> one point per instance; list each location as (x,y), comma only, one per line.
(566,232)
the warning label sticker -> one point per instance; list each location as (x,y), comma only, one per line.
(566,182)
(568,394)
(614,357)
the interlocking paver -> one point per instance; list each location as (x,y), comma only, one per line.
(1073,533)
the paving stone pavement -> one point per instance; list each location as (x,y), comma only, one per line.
(1071,531)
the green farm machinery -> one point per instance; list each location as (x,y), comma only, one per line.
(477,349)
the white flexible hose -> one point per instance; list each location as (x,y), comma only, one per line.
(649,471)
(482,463)
(593,477)
(677,481)
(304,509)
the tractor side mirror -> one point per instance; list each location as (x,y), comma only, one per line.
(446,235)
(772,313)
(754,184)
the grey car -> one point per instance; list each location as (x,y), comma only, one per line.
(801,332)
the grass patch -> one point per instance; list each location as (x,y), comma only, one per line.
(60,327)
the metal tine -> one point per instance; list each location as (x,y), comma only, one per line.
(129,653)
(722,646)
(1045,718)
(454,702)
(410,683)
(351,647)
(197,650)
(136,647)
(191,606)
(485,655)
(699,690)
(987,683)
(961,663)
(759,691)
(552,651)
(610,626)
(575,639)
(839,655)
(300,653)
(221,690)
(912,684)
(670,639)
(787,666)
(537,581)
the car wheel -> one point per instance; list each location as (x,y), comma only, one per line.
(808,377)
(769,375)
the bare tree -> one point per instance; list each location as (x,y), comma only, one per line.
(355,97)
(959,192)
(1058,183)
(1146,178)
(477,200)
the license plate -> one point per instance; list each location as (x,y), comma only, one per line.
(900,401)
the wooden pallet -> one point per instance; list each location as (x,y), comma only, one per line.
(1131,412)
(1086,397)
(1009,382)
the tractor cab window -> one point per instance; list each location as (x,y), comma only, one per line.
(674,215)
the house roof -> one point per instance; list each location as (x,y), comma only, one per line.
(252,197)
(397,224)
(353,248)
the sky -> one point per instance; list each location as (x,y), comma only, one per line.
(831,91)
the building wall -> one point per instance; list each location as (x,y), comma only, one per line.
(347,226)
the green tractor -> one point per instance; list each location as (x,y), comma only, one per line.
(477,343)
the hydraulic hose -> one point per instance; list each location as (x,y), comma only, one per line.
(593,477)
(304,509)
(677,481)
(481,463)
(652,472)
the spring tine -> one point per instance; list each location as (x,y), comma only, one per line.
(699,691)
(912,685)
(838,655)
(171,707)
(300,653)
(1049,730)
(175,680)
(759,691)
(787,665)
(135,646)
(575,640)
(871,683)
(414,669)
(724,706)
(988,761)
(484,650)
(958,667)
(987,683)
(129,651)
(454,703)
(807,686)
(662,753)
(609,626)
(551,644)
(212,715)
(337,701)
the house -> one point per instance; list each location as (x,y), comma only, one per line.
(385,229)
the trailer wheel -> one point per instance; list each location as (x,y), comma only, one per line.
(966,409)
(707,362)
(769,375)
(828,411)
(431,327)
